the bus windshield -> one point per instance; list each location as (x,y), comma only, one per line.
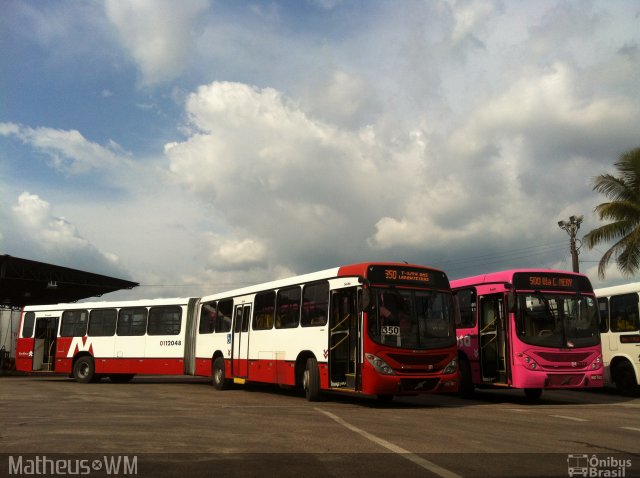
(558,320)
(411,319)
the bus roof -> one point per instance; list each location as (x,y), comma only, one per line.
(108,304)
(351,270)
(505,276)
(618,289)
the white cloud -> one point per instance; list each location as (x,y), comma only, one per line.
(297,183)
(68,150)
(422,132)
(469,17)
(224,252)
(36,233)
(157,33)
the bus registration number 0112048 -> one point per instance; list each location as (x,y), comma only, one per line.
(169,343)
(390,330)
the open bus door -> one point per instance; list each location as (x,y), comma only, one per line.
(44,346)
(344,346)
(493,343)
(240,345)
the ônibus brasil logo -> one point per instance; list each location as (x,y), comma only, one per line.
(595,466)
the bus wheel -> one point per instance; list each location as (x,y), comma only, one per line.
(84,370)
(466,385)
(218,379)
(311,380)
(625,378)
(533,394)
(121,377)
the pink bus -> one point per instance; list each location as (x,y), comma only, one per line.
(530,329)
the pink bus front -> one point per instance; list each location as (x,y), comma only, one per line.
(531,329)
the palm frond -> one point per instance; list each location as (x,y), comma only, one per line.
(623,211)
(619,211)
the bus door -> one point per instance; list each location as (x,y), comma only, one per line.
(240,345)
(44,347)
(344,367)
(492,339)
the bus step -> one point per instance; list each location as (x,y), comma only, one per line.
(351,379)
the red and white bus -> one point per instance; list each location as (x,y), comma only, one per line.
(380,329)
(117,339)
(530,329)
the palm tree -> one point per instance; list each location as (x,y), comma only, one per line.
(624,213)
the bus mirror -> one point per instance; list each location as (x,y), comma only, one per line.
(511,302)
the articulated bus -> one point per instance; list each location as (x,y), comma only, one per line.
(530,329)
(620,333)
(381,329)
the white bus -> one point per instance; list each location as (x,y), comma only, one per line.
(380,329)
(620,334)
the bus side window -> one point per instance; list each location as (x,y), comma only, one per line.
(165,320)
(102,322)
(603,305)
(466,300)
(315,308)
(208,316)
(288,308)
(624,313)
(265,303)
(223,319)
(132,321)
(28,325)
(74,323)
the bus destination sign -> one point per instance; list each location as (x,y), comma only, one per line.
(550,281)
(407,276)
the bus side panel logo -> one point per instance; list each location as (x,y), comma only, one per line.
(81,345)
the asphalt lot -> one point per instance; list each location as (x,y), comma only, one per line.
(177,426)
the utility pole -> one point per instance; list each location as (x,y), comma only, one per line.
(572,226)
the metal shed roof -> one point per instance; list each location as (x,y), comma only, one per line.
(26,282)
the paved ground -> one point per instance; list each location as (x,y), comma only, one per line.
(176,426)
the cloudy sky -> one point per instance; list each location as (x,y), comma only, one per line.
(201,145)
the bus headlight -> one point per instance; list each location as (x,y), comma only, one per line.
(530,363)
(597,363)
(451,367)
(380,365)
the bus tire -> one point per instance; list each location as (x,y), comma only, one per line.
(311,380)
(625,378)
(218,377)
(121,377)
(466,384)
(84,370)
(533,394)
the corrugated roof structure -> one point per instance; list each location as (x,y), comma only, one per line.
(25,282)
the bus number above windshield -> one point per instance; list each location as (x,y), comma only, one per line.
(407,276)
(393,275)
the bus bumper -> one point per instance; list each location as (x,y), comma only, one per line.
(576,379)
(379,384)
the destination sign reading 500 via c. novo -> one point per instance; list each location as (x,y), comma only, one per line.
(550,281)
(537,281)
